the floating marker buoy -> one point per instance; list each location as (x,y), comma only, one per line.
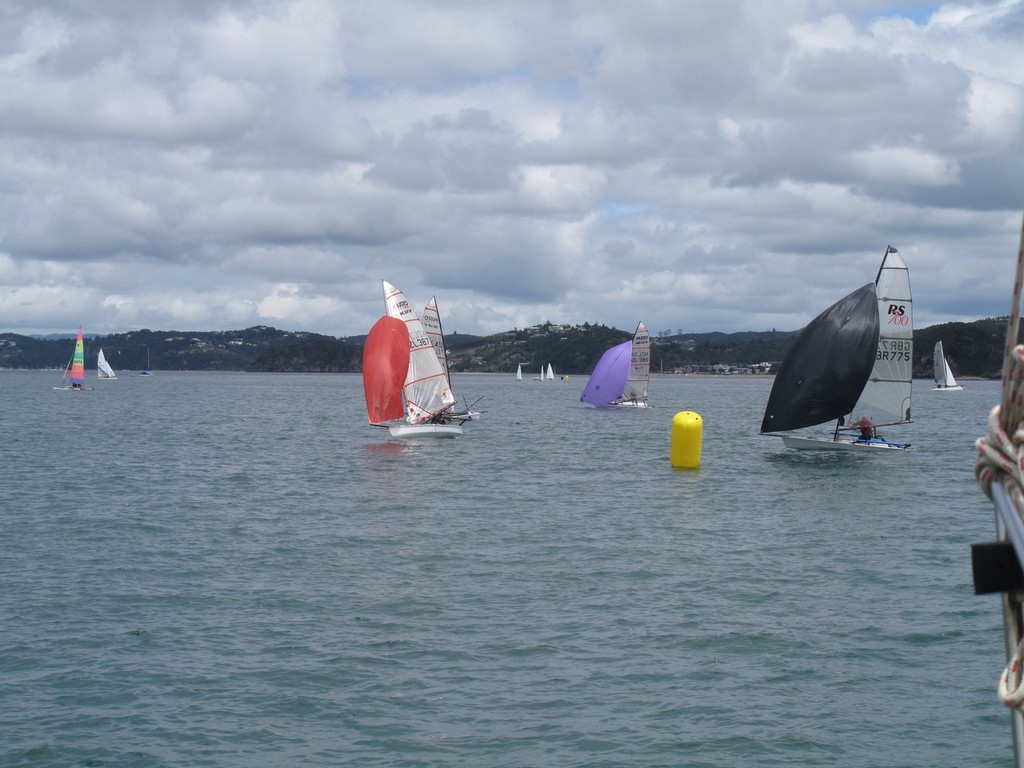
(687,436)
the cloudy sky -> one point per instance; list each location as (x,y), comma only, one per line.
(700,165)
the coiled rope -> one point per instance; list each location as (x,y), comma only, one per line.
(1001,457)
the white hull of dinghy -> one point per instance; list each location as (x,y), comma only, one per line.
(842,444)
(425,430)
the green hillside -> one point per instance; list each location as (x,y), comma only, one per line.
(973,349)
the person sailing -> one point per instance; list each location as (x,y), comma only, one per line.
(867,431)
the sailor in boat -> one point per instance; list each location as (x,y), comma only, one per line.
(867,431)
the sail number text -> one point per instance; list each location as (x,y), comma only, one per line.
(894,350)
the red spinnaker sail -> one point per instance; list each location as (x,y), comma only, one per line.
(385,362)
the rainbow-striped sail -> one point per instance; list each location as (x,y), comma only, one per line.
(74,372)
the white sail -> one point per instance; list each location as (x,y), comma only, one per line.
(944,378)
(432,325)
(950,380)
(886,396)
(551,373)
(519,373)
(639,365)
(103,369)
(426,387)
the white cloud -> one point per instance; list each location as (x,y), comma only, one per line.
(701,166)
(905,165)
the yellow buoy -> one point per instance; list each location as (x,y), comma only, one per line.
(687,436)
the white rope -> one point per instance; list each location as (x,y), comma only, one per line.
(1000,455)
(1011,692)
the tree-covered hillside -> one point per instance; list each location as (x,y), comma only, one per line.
(973,349)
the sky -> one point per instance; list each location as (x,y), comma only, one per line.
(701,166)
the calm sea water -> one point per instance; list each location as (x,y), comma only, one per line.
(237,570)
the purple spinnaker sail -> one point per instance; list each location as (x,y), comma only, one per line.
(608,381)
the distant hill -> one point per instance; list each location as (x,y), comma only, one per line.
(166,350)
(973,349)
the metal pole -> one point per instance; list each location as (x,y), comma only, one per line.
(1010,527)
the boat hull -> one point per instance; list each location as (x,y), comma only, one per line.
(425,430)
(957,388)
(806,443)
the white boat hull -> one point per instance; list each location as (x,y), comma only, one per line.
(425,430)
(957,388)
(806,443)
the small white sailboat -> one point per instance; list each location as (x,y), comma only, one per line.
(621,376)
(852,363)
(103,369)
(519,373)
(944,380)
(551,373)
(402,376)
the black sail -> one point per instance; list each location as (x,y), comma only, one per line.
(828,365)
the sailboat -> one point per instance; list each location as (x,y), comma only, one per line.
(73,378)
(403,381)
(432,326)
(621,376)
(103,369)
(551,373)
(944,380)
(145,371)
(852,363)
(519,373)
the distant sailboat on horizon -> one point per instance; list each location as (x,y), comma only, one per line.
(145,371)
(103,369)
(944,379)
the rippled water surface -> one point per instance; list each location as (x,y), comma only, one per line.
(237,570)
